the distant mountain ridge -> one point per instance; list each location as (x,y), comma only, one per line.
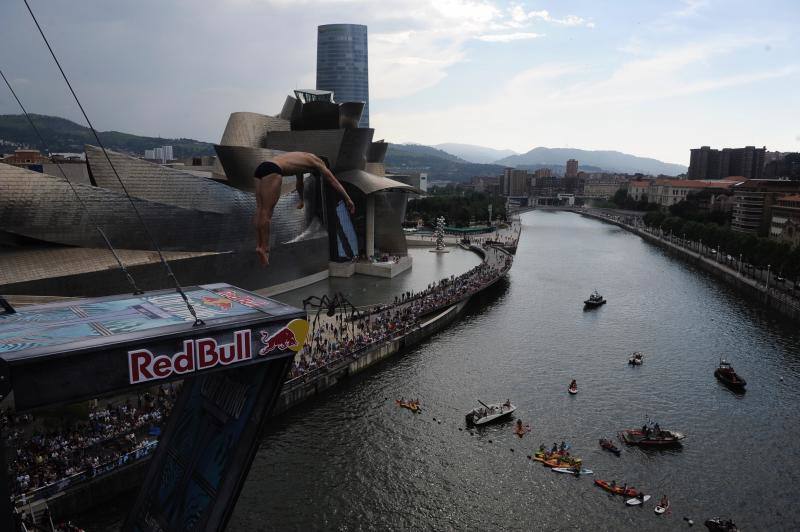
(64,135)
(475,154)
(438,164)
(609,161)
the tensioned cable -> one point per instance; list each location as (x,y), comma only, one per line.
(170,274)
(130,278)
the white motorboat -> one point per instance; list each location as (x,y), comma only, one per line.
(488,413)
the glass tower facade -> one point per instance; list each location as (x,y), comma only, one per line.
(342,64)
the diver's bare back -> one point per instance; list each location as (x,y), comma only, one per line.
(270,174)
(297,162)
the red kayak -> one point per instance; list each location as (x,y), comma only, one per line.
(617,490)
(608,446)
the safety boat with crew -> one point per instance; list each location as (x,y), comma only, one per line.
(595,300)
(488,413)
(651,435)
(727,376)
(636,359)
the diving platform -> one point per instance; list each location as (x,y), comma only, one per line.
(233,361)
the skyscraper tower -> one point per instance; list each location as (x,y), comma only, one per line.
(342,64)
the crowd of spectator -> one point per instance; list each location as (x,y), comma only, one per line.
(341,336)
(43,457)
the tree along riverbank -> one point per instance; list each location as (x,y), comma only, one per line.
(760,284)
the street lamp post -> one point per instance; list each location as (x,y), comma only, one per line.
(717,252)
(700,247)
(768,268)
(740,264)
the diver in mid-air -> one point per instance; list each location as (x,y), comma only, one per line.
(268,190)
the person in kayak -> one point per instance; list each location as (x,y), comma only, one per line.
(519,430)
(573,384)
(664,501)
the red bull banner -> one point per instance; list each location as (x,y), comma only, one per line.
(203,354)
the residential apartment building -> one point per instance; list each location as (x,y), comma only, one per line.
(668,192)
(515,182)
(708,163)
(25,157)
(601,189)
(785,226)
(572,168)
(753,203)
(638,189)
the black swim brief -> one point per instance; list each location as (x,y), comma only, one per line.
(266,168)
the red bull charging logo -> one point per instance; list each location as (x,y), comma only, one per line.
(206,353)
(293,336)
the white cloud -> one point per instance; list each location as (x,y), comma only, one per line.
(520,16)
(508,37)
(569,103)
(691,7)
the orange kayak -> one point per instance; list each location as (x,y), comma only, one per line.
(414,407)
(617,490)
(562,462)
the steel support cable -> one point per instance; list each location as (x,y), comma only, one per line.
(170,274)
(129,277)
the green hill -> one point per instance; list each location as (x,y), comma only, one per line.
(64,135)
(438,164)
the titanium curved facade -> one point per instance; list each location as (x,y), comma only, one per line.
(208,223)
(342,64)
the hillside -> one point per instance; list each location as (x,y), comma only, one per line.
(63,135)
(610,161)
(439,165)
(475,154)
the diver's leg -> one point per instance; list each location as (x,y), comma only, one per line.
(268,192)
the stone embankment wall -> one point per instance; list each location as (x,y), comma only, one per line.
(324,378)
(101,490)
(772,298)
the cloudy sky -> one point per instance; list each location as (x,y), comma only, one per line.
(649,78)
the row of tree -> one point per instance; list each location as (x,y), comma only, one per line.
(758,251)
(459,207)
(623,201)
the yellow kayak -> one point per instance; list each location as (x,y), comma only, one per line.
(414,407)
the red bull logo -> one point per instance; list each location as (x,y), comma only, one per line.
(293,336)
(206,353)
(197,355)
(218,302)
(281,340)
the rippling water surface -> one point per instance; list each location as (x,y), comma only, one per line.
(352,460)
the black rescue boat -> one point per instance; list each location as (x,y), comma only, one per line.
(727,376)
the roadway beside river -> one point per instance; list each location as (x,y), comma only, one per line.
(759,284)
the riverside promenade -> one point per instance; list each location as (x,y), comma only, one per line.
(342,345)
(758,284)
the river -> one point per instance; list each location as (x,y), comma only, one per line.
(353,460)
